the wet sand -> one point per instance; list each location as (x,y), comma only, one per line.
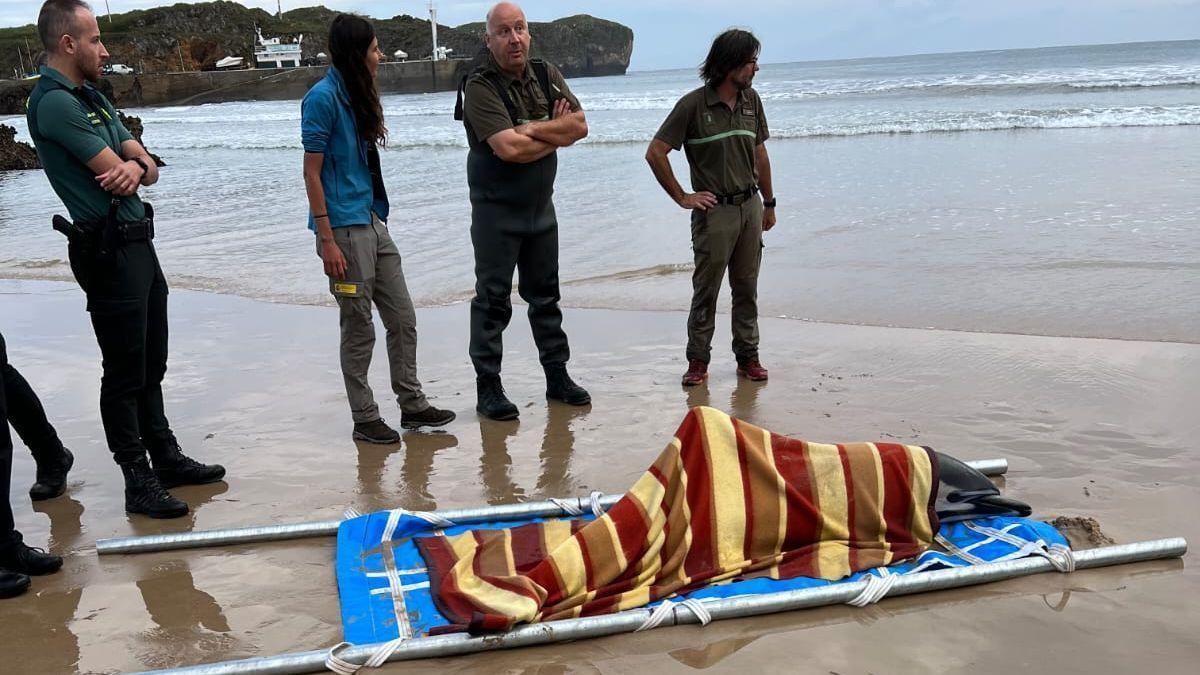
(1099,428)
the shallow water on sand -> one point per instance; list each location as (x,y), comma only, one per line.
(1091,427)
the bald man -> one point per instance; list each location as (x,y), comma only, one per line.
(517,112)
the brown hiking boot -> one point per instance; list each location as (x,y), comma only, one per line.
(697,373)
(753,371)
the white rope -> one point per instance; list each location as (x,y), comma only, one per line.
(395,514)
(336,664)
(1061,557)
(667,609)
(379,657)
(954,550)
(699,610)
(566,506)
(573,507)
(350,513)
(876,589)
(594,498)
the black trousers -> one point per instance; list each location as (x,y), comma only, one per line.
(6,452)
(28,417)
(127,299)
(535,256)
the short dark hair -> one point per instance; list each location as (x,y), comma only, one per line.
(56,19)
(730,50)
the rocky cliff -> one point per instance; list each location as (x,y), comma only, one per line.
(196,36)
(14,154)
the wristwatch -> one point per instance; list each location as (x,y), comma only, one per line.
(145,169)
(769,203)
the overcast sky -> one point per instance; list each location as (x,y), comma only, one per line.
(676,33)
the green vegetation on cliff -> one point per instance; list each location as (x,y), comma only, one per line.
(196,36)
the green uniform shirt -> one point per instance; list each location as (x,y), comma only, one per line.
(720,142)
(484,109)
(67,133)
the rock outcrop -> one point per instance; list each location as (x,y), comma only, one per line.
(196,36)
(15,155)
(134,125)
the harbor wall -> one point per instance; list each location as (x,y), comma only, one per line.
(194,88)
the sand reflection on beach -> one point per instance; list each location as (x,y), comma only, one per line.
(1091,427)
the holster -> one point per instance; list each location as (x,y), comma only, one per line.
(109,234)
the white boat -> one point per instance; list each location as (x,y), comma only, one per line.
(275,53)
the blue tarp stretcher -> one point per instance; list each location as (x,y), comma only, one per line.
(385,591)
(730,521)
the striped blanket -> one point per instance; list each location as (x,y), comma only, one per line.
(725,500)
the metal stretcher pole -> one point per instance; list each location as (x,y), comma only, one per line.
(328,528)
(727,608)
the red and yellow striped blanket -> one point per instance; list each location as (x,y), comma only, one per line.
(725,500)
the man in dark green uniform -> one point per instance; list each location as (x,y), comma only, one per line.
(723,127)
(96,167)
(517,114)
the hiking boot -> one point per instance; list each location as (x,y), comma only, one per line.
(376,432)
(52,477)
(697,373)
(144,494)
(429,417)
(493,404)
(752,370)
(173,468)
(17,557)
(13,584)
(560,387)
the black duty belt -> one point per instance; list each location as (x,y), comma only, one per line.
(737,198)
(107,235)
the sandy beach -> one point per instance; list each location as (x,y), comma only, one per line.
(1100,428)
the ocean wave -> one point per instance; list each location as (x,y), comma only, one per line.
(1079,118)
(859,124)
(654,271)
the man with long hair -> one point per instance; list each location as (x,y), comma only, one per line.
(342,128)
(722,127)
(96,167)
(517,112)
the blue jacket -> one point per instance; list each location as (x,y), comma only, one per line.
(327,126)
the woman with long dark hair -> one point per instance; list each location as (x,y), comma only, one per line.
(342,127)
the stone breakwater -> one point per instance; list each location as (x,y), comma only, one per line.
(196,87)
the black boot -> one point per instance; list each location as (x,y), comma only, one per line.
(429,417)
(13,584)
(15,556)
(377,432)
(144,494)
(52,476)
(493,404)
(173,468)
(560,387)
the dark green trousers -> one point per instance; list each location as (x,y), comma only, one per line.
(726,238)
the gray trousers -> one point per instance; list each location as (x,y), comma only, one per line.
(374,276)
(724,238)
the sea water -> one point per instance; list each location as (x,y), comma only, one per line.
(1047,191)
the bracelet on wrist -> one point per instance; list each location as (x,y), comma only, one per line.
(769,203)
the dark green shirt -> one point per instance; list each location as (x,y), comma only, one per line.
(484,109)
(719,141)
(67,133)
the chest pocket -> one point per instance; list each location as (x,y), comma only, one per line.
(747,117)
(533,101)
